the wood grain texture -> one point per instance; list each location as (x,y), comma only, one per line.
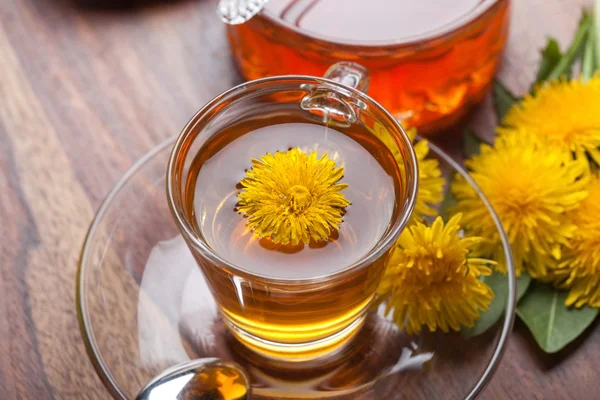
(84,92)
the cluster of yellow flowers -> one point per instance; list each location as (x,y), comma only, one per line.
(542,178)
(432,277)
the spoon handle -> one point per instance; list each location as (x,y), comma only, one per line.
(234,12)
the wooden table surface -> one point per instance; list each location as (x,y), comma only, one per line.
(84,92)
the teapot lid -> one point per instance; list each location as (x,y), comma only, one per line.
(371,20)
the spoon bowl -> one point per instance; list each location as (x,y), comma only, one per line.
(204,378)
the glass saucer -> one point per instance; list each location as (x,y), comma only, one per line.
(144,306)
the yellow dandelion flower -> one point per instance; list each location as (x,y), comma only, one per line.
(431,183)
(531,189)
(430,280)
(579,268)
(563,114)
(293,197)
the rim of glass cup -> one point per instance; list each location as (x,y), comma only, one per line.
(383,244)
(449,29)
(109,380)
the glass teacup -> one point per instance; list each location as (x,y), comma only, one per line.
(305,301)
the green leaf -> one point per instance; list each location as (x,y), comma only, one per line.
(447,203)
(523,283)
(595,32)
(471,143)
(503,99)
(553,324)
(499,285)
(588,63)
(551,55)
(564,65)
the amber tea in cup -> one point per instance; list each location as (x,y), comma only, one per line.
(429,60)
(284,301)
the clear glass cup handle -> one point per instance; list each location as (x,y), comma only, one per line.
(349,74)
(333,103)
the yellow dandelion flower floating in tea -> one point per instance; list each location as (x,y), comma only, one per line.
(563,114)
(293,197)
(579,269)
(431,281)
(431,183)
(531,190)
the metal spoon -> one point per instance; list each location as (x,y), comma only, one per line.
(234,12)
(201,379)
